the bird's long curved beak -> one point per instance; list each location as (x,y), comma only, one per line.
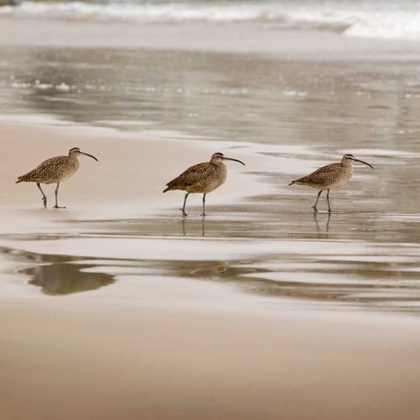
(87,154)
(361,161)
(235,160)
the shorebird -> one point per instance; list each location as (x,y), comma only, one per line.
(54,171)
(330,176)
(201,178)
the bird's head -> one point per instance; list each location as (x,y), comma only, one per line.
(220,157)
(74,152)
(349,159)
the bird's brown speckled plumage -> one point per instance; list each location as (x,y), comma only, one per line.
(327,177)
(201,178)
(54,171)
(330,176)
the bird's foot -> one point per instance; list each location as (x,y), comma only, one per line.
(184,214)
(315,209)
(58,207)
(44,200)
(204,214)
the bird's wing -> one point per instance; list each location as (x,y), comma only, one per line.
(49,166)
(319,175)
(55,161)
(197,174)
(328,169)
(194,175)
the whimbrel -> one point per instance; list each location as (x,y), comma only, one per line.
(54,171)
(201,178)
(330,176)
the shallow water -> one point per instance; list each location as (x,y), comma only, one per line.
(229,97)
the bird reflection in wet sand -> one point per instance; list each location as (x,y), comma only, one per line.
(216,268)
(64,278)
(220,267)
(192,231)
(330,176)
(327,225)
(201,178)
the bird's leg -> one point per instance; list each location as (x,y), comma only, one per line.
(204,205)
(328,201)
(316,202)
(56,198)
(185,203)
(44,197)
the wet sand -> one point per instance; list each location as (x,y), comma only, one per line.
(111,359)
(117,307)
(177,325)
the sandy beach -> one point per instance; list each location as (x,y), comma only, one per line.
(119,308)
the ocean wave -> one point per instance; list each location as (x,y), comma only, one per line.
(148,12)
(353,19)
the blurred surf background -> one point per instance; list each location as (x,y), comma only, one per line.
(384,19)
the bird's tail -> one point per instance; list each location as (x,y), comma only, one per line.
(169,188)
(171,185)
(291,183)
